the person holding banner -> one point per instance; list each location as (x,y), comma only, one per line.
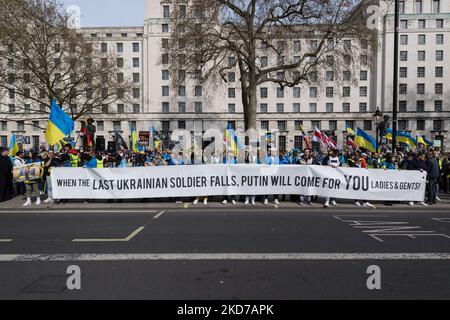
(333,161)
(6,177)
(306,160)
(271,161)
(31,184)
(229,158)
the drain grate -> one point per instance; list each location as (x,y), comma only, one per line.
(47,284)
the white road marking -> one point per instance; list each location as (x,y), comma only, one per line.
(447,220)
(6,240)
(127,239)
(159,215)
(81,210)
(221,256)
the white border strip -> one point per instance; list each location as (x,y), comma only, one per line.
(221,256)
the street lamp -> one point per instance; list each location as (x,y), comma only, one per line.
(378,120)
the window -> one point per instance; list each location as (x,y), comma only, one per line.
(231,77)
(120,108)
(231,93)
(165,43)
(165,91)
(298,142)
(422,24)
(280,92)
(119,62)
(346,75)
(420,88)
(265,125)
(181,107)
(231,108)
(363,75)
(403,55)
(439,55)
(350,124)
(165,75)
(231,61)
(136,78)
(332,125)
(264,92)
(198,91)
(264,62)
(438,88)
(403,125)
(313,92)
(439,23)
(135,62)
(11,93)
(263,108)
(313,107)
(404,40)
(346,107)
(329,76)
(20,126)
(329,107)
(363,107)
(3,126)
(403,106)
(421,55)
(135,47)
(439,39)
(198,107)
(296,107)
(104,47)
(166,11)
(438,125)
(436,8)
(298,125)
(280,107)
(330,92)
(117,125)
(119,47)
(296,92)
(165,28)
(438,106)
(105,109)
(363,91)
(403,24)
(12,108)
(421,72)
(316,124)
(403,88)
(182,125)
(165,126)
(401,7)
(421,39)
(346,92)
(165,107)
(282,126)
(367,125)
(420,106)
(182,91)
(421,125)
(403,72)
(418,6)
(439,72)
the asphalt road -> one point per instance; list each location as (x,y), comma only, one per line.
(226,254)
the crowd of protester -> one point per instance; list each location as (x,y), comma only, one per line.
(432,161)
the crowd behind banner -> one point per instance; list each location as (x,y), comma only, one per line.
(31,182)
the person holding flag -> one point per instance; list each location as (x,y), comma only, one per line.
(365,141)
(60,125)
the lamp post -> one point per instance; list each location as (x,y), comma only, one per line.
(378,120)
(396,63)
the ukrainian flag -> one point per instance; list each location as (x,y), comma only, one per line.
(13,146)
(406,138)
(365,140)
(135,141)
(59,126)
(389,134)
(351,132)
(232,140)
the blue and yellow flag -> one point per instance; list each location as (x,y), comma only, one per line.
(365,140)
(59,126)
(406,138)
(13,146)
(135,147)
(232,140)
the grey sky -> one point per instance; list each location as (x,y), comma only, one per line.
(110,13)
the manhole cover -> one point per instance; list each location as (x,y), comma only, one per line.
(47,284)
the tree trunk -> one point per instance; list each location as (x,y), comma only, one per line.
(251,110)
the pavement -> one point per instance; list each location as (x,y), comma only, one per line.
(225,252)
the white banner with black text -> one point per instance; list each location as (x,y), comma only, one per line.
(227,180)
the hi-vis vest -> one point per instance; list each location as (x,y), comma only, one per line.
(74,160)
(100,164)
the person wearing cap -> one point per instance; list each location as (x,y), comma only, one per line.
(6,176)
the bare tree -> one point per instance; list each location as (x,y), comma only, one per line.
(41,58)
(209,38)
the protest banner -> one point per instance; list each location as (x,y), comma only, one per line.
(28,172)
(223,180)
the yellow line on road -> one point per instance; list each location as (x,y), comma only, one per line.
(127,239)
